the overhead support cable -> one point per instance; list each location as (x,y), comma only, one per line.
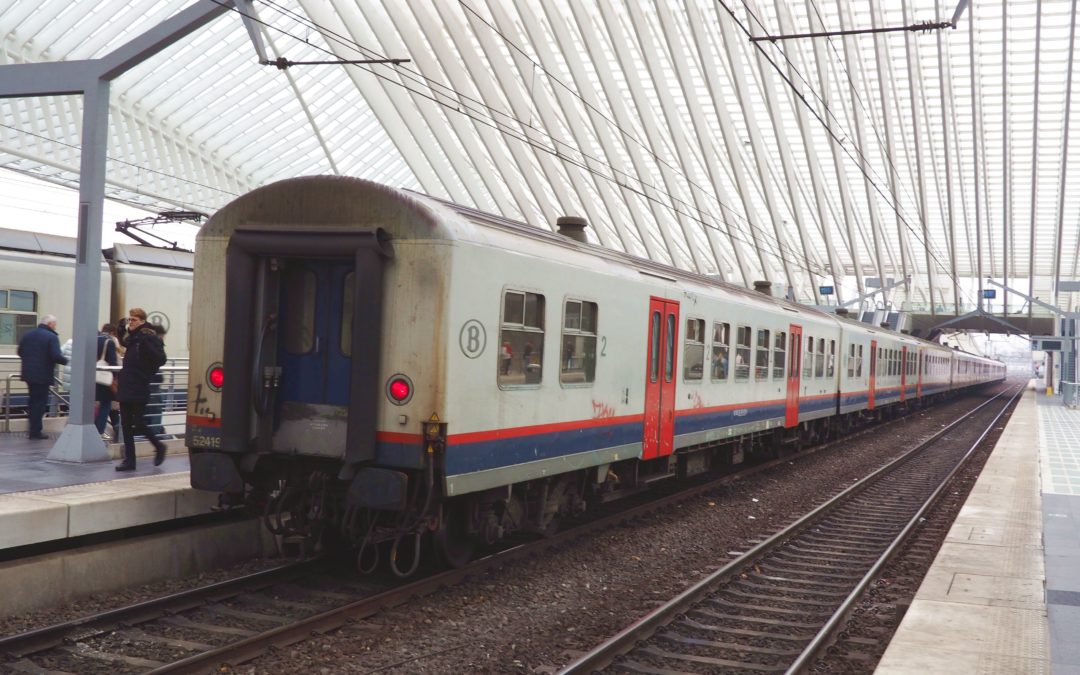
(921,27)
(1059,239)
(1034,154)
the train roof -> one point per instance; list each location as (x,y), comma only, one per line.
(149,255)
(346,201)
(37,242)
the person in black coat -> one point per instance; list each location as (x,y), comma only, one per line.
(40,351)
(145,354)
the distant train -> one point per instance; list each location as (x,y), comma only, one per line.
(382,365)
(37,277)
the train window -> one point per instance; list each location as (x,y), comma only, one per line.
(742,353)
(669,365)
(521,339)
(858,363)
(721,342)
(694,350)
(22,301)
(761,357)
(851,361)
(298,332)
(578,363)
(347,313)
(819,359)
(21,317)
(830,361)
(779,354)
(654,354)
(808,360)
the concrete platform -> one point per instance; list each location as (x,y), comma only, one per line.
(43,501)
(1003,595)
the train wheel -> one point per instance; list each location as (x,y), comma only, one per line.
(453,545)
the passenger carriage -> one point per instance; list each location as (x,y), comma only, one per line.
(424,366)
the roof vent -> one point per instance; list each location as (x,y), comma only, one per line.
(885,324)
(763,287)
(572,227)
(842,311)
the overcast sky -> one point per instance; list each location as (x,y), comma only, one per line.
(30,204)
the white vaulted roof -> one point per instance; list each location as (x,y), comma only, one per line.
(825,161)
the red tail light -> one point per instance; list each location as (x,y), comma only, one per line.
(215,377)
(399,389)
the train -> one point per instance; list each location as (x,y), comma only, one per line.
(37,277)
(395,371)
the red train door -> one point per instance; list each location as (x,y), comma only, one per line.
(873,371)
(920,357)
(791,412)
(660,369)
(903,373)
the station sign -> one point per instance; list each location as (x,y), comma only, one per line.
(1048,343)
(989,293)
(826,290)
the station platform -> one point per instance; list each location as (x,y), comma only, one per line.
(44,501)
(1003,594)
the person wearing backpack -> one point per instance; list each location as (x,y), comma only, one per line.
(144,355)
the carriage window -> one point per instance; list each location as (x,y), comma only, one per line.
(721,341)
(830,362)
(851,361)
(808,360)
(18,315)
(819,360)
(761,363)
(521,339)
(779,354)
(347,314)
(654,353)
(298,333)
(578,363)
(858,363)
(742,354)
(694,350)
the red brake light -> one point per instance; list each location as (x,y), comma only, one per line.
(216,377)
(400,390)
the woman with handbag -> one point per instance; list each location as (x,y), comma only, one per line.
(105,381)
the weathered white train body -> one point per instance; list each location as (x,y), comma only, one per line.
(399,355)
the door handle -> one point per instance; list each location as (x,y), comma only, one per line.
(317,341)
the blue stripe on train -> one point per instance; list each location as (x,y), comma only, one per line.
(498,453)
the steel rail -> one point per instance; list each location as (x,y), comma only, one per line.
(602,655)
(821,639)
(29,642)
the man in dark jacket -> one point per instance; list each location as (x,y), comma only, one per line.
(40,352)
(145,354)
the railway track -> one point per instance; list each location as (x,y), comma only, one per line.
(238,620)
(774,608)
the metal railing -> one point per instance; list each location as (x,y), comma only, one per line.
(167,406)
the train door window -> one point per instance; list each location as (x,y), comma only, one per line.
(830,360)
(808,360)
(669,364)
(721,341)
(298,333)
(851,361)
(347,313)
(858,363)
(578,361)
(779,354)
(654,354)
(819,359)
(742,353)
(761,355)
(18,315)
(521,339)
(694,350)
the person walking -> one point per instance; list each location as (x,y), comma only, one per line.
(103,388)
(39,351)
(144,355)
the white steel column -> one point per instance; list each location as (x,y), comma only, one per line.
(1059,241)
